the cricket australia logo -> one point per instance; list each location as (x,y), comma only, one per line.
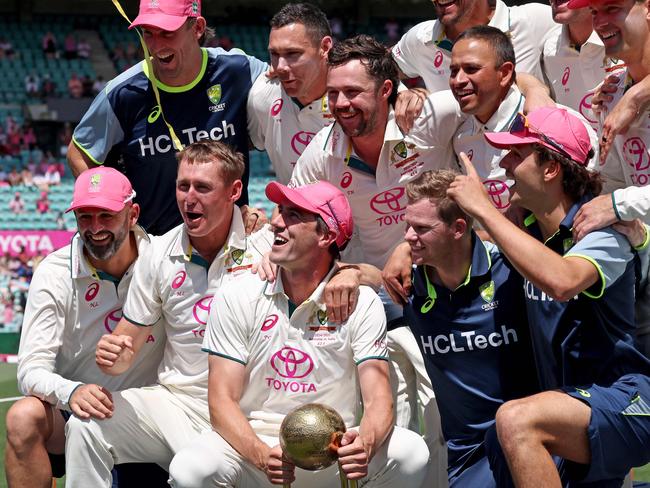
(322,317)
(486,291)
(237,256)
(95,180)
(214,95)
(400,150)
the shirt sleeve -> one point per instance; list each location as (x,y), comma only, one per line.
(632,203)
(405,52)
(143,305)
(311,165)
(609,251)
(42,336)
(226,333)
(440,119)
(257,109)
(538,26)
(99,129)
(368,328)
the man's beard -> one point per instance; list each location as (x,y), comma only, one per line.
(104,252)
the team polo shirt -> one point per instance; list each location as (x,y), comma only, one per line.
(573,72)
(628,161)
(178,284)
(281,125)
(476,348)
(377,197)
(425,50)
(590,338)
(293,358)
(70,306)
(125,120)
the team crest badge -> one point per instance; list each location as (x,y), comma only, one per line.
(322,317)
(95,180)
(567,244)
(487,291)
(214,94)
(237,256)
(400,150)
(195,7)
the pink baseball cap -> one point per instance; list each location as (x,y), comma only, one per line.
(551,127)
(321,198)
(102,187)
(167,15)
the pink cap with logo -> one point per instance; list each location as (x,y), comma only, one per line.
(551,127)
(101,187)
(321,198)
(167,15)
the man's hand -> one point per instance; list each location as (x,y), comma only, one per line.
(353,456)
(278,469)
(593,215)
(468,191)
(112,349)
(254,218)
(342,293)
(91,401)
(397,274)
(634,230)
(265,269)
(408,107)
(603,93)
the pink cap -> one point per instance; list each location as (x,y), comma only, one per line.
(167,15)
(321,198)
(558,129)
(102,187)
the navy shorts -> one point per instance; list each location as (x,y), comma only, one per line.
(619,428)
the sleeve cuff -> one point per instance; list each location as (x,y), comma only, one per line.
(618,215)
(646,241)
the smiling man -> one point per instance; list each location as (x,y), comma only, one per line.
(202,95)
(284,113)
(369,159)
(263,334)
(580,305)
(425,50)
(76,295)
(176,280)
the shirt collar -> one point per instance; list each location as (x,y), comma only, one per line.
(236,240)
(506,113)
(480,266)
(81,267)
(317,295)
(566,225)
(339,145)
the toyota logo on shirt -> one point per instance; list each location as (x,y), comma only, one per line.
(389,201)
(293,363)
(111,319)
(300,141)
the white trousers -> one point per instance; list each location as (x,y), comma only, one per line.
(148,424)
(210,461)
(415,404)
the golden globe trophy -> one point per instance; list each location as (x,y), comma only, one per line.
(310,436)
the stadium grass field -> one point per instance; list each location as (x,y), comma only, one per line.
(8,389)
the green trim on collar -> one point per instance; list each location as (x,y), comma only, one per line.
(292,307)
(530,220)
(184,88)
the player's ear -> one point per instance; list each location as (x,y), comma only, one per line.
(134,214)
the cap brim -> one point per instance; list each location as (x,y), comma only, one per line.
(103,203)
(576,4)
(503,140)
(278,193)
(161,21)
